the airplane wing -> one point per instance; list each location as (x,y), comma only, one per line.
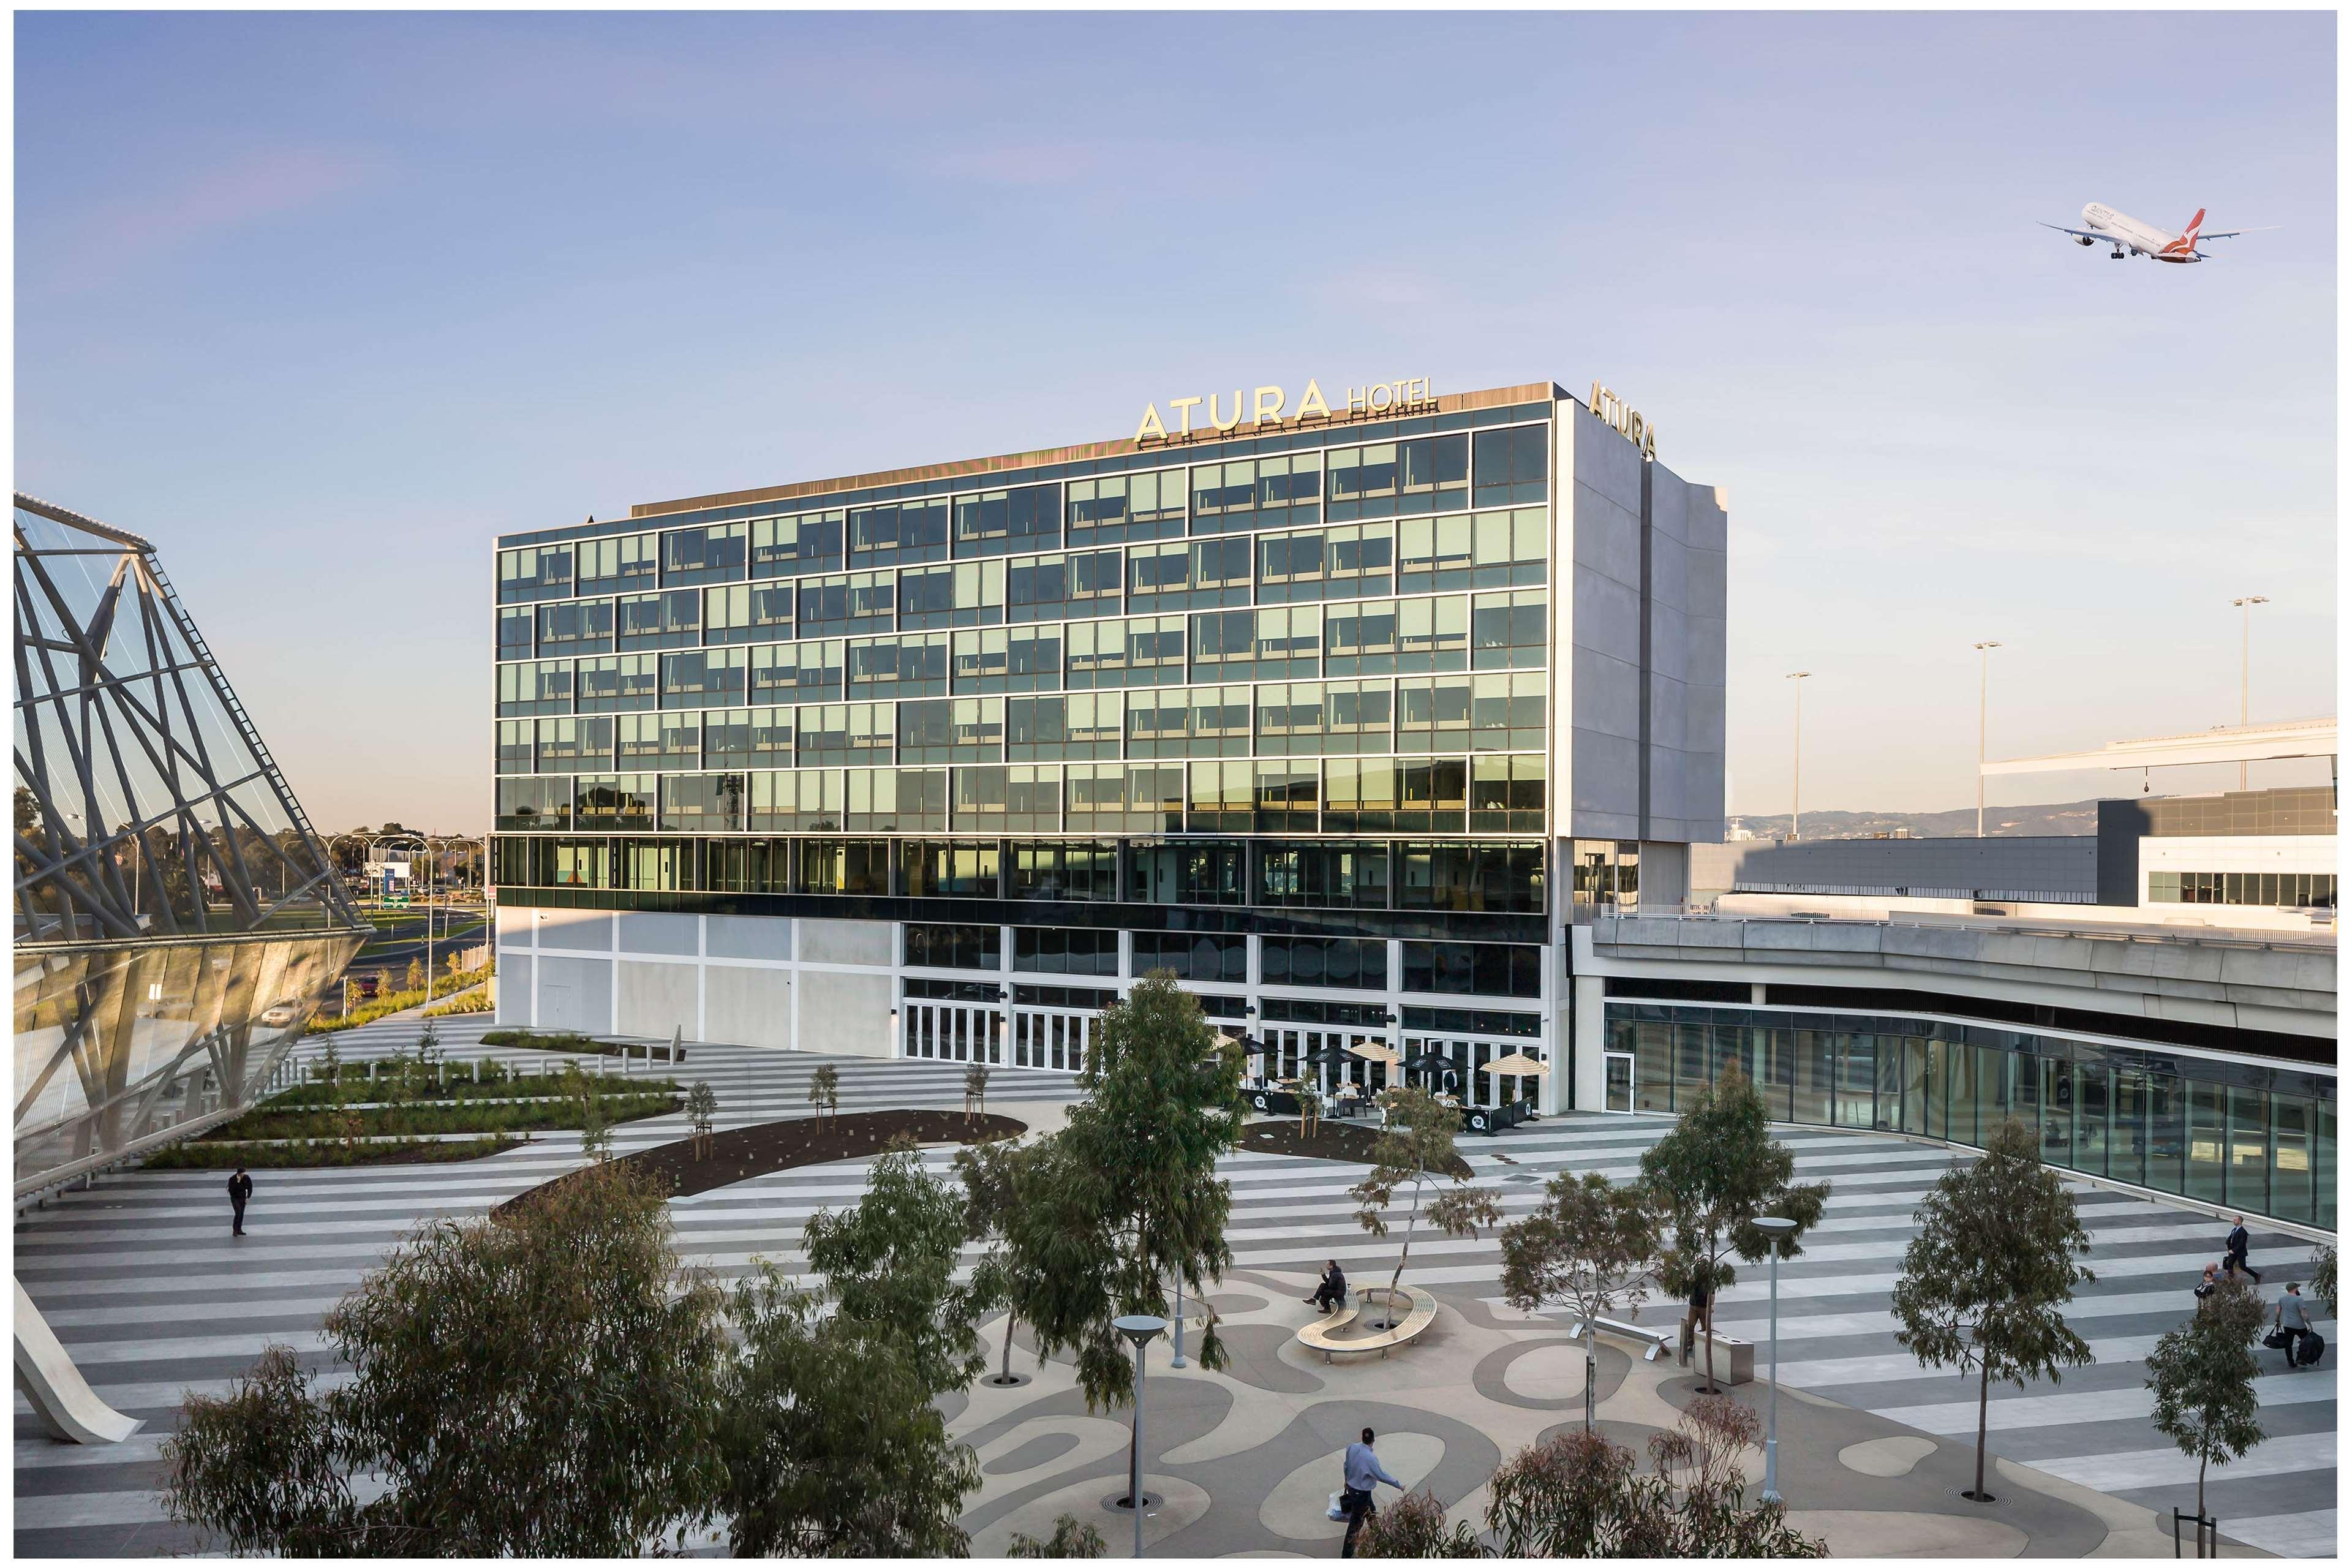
(2234,233)
(2091,234)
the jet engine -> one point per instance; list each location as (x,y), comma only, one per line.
(2084,240)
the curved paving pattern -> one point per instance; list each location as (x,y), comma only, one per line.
(140,1281)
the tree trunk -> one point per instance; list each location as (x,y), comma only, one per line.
(1590,1370)
(1403,1253)
(1710,1343)
(2201,1507)
(1006,1375)
(1984,1393)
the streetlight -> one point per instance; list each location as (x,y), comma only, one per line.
(2246,609)
(1142,1329)
(1797,750)
(1984,677)
(1776,1230)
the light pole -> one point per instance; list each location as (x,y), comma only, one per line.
(1984,678)
(1142,1329)
(2246,609)
(1177,1335)
(1776,1231)
(1797,750)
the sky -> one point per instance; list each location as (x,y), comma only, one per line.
(323,303)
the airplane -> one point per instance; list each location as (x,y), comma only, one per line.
(2102,222)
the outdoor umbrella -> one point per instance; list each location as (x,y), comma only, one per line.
(1423,1061)
(1324,1056)
(1373,1051)
(1518,1064)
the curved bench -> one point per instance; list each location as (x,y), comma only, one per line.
(1420,1310)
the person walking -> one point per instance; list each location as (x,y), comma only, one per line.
(1695,1322)
(1331,1291)
(240,1191)
(1360,1472)
(2209,1283)
(2234,1250)
(2294,1321)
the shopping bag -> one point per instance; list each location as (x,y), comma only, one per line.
(1337,1509)
(2312,1347)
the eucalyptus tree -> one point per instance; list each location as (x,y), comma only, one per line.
(1985,1280)
(2203,1374)
(1418,1146)
(1592,1248)
(824,1090)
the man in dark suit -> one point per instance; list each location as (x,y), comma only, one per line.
(240,1191)
(2234,1250)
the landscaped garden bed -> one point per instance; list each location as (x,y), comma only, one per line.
(746,1151)
(582,1044)
(428,1116)
(1350,1142)
(497,1083)
(316,1153)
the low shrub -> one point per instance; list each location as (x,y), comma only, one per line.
(205,1155)
(497,1083)
(443,1116)
(560,1040)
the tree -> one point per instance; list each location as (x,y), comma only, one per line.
(1001,1179)
(2322,1276)
(543,1382)
(2202,1374)
(1414,1526)
(1984,1279)
(1416,1145)
(1136,1193)
(975,1090)
(701,1110)
(824,1090)
(595,1126)
(1718,1169)
(1592,1248)
(415,975)
(890,1265)
(1072,1538)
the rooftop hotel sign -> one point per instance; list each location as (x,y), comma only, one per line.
(1266,405)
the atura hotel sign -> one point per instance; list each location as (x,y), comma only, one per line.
(1197,417)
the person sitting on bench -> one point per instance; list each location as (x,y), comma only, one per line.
(1331,1291)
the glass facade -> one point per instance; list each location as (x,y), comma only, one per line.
(2240,1134)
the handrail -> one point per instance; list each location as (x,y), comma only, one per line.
(1994,923)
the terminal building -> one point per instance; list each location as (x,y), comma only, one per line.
(1324,711)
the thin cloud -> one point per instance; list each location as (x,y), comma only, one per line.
(119,236)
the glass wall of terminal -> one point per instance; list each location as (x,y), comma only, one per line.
(2245,1136)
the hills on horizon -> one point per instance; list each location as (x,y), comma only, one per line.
(2059,820)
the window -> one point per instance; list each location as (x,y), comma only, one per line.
(1053,951)
(912,666)
(1361,639)
(706,803)
(717,553)
(948,871)
(1197,956)
(1256,492)
(1507,630)
(898,800)
(748,612)
(748,865)
(1286,795)
(534,805)
(951,730)
(516,745)
(1321,876)
(995,523)
(1432,796)
(807,671)
(1189,721)
(851,867)
(849,732)
(1491,550)
(1473,969)
(900,532)
(515,627)
(582,626)
(1493,878)
(1433,714)
(661,740)
(615,801)
(1507,793)
(807,801)
(1222,797)
(1324,961)
(574,745)
(1023,658)
(788,546)
(1113,797)
(968,594)
(954,947)
(1128,506)
(1510,465)
(1506,712)
(1304,718)
(773,731)
(619,683)
(1396,478)
(1268,644)
(541,572)
(1340,563)
(853,601)
(1060,587)
(1062,872)
(727,737)
(1185,874)
(706,678)
(672,618)
(1047,729)
(543,688)
(604,565)
(1144,650)
(1360,794)
(1290,718)
(1201,574)
(2264,889)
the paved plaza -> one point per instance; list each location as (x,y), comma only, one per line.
(141,1279)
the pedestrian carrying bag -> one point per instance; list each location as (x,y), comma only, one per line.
(1337,1509)
(2312,1347)
(2275,1340)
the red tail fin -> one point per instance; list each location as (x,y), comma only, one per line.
(2189,234)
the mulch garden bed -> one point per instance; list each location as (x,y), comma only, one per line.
(324,1154)
(744,1152)
(1350,1142)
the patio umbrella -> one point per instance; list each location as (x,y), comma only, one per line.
(1373,1051)
(1423,1061)
(1518,1064)
(1324,1056)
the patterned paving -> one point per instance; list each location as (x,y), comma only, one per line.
(141,1281)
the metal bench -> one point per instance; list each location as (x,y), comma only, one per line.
(1734,1360)
(1659,1340)
(1420,1310)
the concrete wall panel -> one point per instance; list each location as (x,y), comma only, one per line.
(514,989)
(659,933)
(748,1006)
(575,993)
(848,1014)
(656,998)
(845,941)
(576,930)
(748,936)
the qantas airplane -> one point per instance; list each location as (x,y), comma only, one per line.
(2129,235)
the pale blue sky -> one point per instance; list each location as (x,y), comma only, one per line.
(323,304)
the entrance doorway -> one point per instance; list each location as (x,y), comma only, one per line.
(1620,1087)
(953,1032)
(1045,1037)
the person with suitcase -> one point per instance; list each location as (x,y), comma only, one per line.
(2295,1325)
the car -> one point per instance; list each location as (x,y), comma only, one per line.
(283,1014)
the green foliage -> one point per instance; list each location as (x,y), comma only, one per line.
(824,1090)
(1416,1145)
(1592,1248)
(415,995)
(2322,1276)
(1002,1179)
(627,1104)
(497,1084)
(544,1383)
(1072,1538)
(1993,1262)
(593,1117)
(1717,1170)
(307,1155)
(1135,1194)
(889,1266)
(1414,1526)
(2203,1374)
(703,1108)
(975,1088)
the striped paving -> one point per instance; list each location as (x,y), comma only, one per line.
(140,1280)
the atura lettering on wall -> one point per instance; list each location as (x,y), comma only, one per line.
(1612,411)
(1271,406)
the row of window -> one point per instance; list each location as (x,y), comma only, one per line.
(1422,476)
(1501,712)
(2260,889)
(1493,550)
(1484,631)
(1349,794)
(2175,1123)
